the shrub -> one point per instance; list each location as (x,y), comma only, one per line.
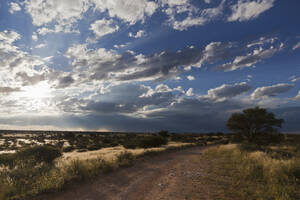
(68,149)
(125,159)
(152,141)
(163,133)
(30,157)
(107,167)
(39,154)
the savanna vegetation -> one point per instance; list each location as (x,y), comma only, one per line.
(257,161)
(261,163)
(34,163)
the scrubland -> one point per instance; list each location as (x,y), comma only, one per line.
(34,164)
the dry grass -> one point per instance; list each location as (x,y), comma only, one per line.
(110,153)
(256,175)
(73,167)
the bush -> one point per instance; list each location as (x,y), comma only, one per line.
(68,149)
(163,133)
(30,157)
(24,169)
(39,154)
(125,159)
(152,141)
(131,144)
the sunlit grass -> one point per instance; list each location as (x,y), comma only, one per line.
(256,175)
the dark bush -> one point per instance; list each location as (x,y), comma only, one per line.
(68,149)
(163,133)
(39,154)
(94,147)
(131,144)
(144,142)
(152,141)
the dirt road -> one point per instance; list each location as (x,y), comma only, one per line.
(175,175)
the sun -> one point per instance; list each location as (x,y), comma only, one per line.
(38,92)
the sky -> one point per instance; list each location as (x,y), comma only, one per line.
(144,65)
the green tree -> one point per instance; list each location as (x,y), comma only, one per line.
(255,125)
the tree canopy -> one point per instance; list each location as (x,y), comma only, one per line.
(254,123)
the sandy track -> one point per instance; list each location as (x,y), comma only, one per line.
(172,175)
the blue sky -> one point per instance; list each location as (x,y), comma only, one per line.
(141,65)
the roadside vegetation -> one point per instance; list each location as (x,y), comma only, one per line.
(41,162)
(268,173)
(262,164)
(256,160)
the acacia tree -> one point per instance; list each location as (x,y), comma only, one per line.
(254,124)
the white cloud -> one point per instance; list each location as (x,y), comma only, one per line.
(191,78)
(195,17)
(296,46)
(294,79)
(138,34)
(9,36)
(297,97)
(63,13)
(130,11)
(120,46)
(273,90)
(161,88)
(14,7)
(103,27)
(34,36)
(190,92)
(42,45)
(225,91)
(249,60)
(246,10)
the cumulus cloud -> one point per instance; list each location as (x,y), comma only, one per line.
(294,78)
(247,10)
(119,46)
(130,11)
(248,60)
(138,34)
(30,79)
(251,58)
(34,36)
(296,46)
(108,65)
(101,64)
(195,17)
(9,36)
(14,7)
(190,78)
(190,92)
(273,90)
(297,97)
(42,45)
(103,27)
(63,13)
(225,91)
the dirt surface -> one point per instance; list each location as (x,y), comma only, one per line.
(175,175)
